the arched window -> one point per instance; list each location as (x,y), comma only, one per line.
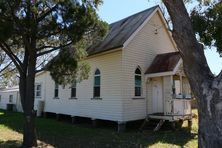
(138,82)
(97,79)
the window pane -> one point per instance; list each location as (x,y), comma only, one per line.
(10,98)
(56,93)
(137,91)
(73,92)
(137,71)
(96,92)
(97,81)
(38,87)
(37,90)
(38,93)
(137,80)
(97,72)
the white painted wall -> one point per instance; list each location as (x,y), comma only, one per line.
(42,79)
(5,97)
(117,80)
(140,52)
(109,108)
(182,107)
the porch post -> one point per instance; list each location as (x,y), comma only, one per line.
(173,95)
(181,89)
(181,84)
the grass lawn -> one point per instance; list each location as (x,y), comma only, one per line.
(52,133)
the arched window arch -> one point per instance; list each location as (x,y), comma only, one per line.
(97,81)
(138,82)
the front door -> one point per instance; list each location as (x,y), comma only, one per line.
(157,95)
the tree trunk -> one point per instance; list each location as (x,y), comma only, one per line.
(26,87)
(206,87)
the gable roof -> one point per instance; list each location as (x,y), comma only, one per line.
(120,31)
(164,63)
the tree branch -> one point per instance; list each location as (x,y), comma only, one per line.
(10,51)
(53,49)
(7,72)
(46,13)
(6,67)
(40,70)
(12,57)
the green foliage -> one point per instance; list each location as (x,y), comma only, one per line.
(208,25)
(47,27)
(67,68)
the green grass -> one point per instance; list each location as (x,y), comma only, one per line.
(62,134)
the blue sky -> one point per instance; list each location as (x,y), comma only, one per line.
(114,10)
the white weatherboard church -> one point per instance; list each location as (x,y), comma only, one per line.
(136,72)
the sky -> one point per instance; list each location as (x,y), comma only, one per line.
(114,10)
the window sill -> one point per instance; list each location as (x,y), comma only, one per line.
(73,98)
(39,97)
(56,98)
(138,98)
(96,98)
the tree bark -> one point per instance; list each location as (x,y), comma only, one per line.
(26,86)
(206,87)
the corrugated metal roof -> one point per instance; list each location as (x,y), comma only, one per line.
(120,31)
(164,63)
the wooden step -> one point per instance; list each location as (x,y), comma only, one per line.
(159,125)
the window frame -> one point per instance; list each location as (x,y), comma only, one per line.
(38,84)
(138,86)
(56,91)
(97,73)
(73,87)
(10,99)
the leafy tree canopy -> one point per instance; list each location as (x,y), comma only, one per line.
(65,27)
(207,23)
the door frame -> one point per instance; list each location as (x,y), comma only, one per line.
(160,82)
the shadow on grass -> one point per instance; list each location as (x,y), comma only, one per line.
(10,144)
(60,134)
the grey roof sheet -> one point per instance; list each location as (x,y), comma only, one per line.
(120,31)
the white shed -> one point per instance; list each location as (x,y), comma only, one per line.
(10,96)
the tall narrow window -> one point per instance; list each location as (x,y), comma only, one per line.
(56,91)
(10,98)
(38,89)
(73,90)
(138,82)
(97,77)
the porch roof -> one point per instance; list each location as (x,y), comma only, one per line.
(162,63)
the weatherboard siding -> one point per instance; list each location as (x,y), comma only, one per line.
(5,98)
(42,80)
(140,52)
(109,108)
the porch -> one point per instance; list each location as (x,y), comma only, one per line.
(168,89)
